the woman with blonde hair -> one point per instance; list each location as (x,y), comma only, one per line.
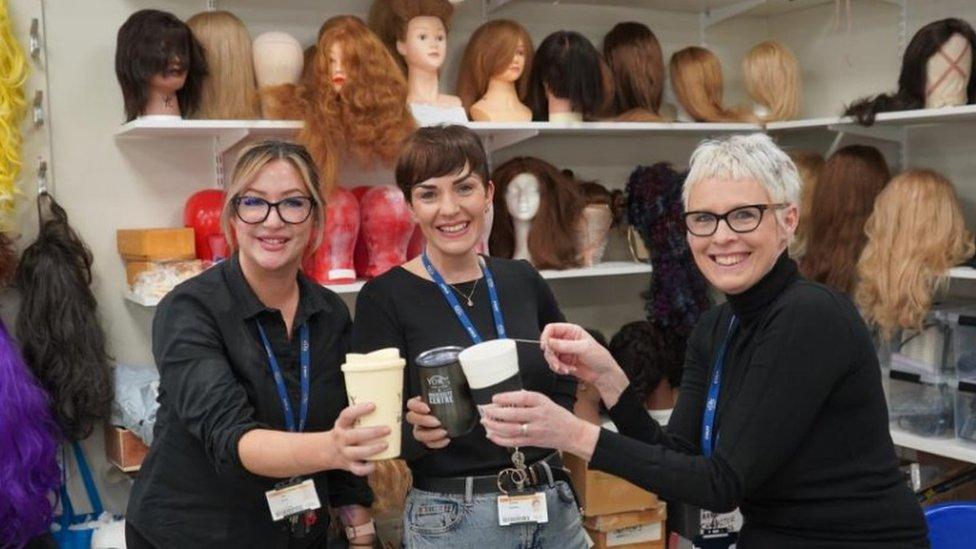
(915,234)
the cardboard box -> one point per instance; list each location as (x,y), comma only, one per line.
(604,494)
(631,530)
(156,244)
(124,449)
(133,268)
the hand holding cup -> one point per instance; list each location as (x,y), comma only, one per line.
(353,446)
(427,429)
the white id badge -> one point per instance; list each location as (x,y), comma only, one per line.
(518,509)
(293,499)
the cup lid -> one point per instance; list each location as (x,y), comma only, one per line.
(440,356)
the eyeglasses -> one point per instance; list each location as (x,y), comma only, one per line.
(744,219)
(253,210)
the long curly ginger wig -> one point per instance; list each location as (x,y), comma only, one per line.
(368,116)
(915,233)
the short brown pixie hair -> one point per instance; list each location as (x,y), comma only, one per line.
(436,151)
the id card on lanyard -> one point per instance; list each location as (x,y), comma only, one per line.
(708,434)
(496,308)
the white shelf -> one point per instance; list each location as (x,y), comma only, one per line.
(950,447)
(133,298)
(963,273)
(227,132)
(752,7)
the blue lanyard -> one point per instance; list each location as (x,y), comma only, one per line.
(496,309)
(280,380)
(711,405)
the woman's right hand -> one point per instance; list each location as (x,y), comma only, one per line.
(351,445)
(571,350)
(426,428)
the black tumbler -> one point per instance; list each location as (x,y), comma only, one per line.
(445,389)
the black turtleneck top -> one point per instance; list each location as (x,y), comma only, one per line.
(803,446)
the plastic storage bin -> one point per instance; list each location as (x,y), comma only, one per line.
(924,351)
(962,354)
(966,412)
(920,402)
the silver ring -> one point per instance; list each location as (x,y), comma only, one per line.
(525,430)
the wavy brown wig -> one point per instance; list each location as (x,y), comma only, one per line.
(634,56)
(489,52)
(146,44)
(369,116)
(842,201)
(808,165)
(229,90)
(914,235)
(912,80)
(552,237)
(696,77)
(772,76)
(568,65)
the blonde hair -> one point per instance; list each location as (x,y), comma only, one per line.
(808,165)
(12,108)
(229,91)
(772,77)
(915,234)
(696,78)
(252,160)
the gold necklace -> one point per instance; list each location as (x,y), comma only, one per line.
(470,295)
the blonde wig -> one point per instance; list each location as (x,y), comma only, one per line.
(368,116)
(12,108)
(808,165)
(229,90)
(772,77)
(915,234)
(696,77)
(489,52)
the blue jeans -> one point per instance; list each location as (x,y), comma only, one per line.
(453,520)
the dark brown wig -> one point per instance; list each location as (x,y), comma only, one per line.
(552,237)
(634,57)
(842,201)
(911,81)
(147,43)
(570,67)
(58,325)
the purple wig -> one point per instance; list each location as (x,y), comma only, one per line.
(679,293)
(29,437)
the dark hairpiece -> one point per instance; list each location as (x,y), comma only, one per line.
(633,54)
(648,354)
(568,64)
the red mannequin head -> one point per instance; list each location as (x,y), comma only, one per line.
(333,261)
(417,243)
(202,212)
(386,228)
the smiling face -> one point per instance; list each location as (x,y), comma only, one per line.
(522,196)
(450,211)
(734,262)
(425,43)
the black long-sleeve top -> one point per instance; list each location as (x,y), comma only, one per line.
(803,444)
(216,385)
(400,309)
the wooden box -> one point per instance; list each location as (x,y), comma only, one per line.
(604,494)
(124,449)
(632,530)
(156,244)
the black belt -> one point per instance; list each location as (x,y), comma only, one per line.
(488,484)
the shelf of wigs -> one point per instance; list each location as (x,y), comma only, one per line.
(608,268)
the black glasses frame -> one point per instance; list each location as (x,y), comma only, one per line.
(269,205)
(725,217)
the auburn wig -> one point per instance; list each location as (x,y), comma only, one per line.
(568,65)
(914,235)
(634,57)
(808,165)
(696,77)
(552,236)
(147,43)
(229,90)
(389,20)
(368,116)
(912,80)
(490,52)
(842,201)
(772,76)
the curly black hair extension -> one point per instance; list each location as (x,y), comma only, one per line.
(58,325)
(648,354)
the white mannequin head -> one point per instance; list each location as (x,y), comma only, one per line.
(424,45)
(948,72)
(278,59)
(522,197)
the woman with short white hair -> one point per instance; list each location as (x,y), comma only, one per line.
(781,411)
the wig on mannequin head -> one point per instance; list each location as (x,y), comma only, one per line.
(490,52)
(648,354)
(147,42)
(368,116)
(914,235)
(772,76)
(678,294)
(58,324)
(696,78)
(634,57)
(571,68)
(842,201)
(808,165)
(389,20)
(913,78)
(229,90)
(552,236)
(29,439)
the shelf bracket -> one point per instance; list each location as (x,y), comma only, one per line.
(34,42)
(37,110)
(492,5)
(496,141)
(710,17)
(884,133)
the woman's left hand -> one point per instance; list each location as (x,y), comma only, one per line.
(525,418)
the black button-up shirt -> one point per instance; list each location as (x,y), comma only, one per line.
(216,385)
